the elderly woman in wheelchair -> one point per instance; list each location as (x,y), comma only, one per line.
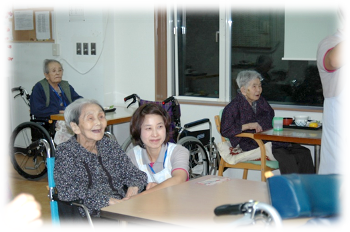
(52,95)
(90,166)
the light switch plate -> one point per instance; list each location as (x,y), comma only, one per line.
(85,49)
(78,48)
(93,48)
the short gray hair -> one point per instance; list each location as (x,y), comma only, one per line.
(73,110)
(244,77)
(49,61)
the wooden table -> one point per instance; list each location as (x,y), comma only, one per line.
(302,136)
(120,115)
(189,204)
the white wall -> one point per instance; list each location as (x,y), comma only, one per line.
(125,42)
(24,70)
(322,22)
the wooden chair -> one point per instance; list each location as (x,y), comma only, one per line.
(263,165)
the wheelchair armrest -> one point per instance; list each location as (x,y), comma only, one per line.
(196,123)
(46,120)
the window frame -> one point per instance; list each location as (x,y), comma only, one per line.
(166,84)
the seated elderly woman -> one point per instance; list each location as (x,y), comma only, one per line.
(92,167)
(250,112)
(165,163)
(52,95)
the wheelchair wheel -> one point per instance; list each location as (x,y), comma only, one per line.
(127,145)
(28,152)
(199,163)
(215,160)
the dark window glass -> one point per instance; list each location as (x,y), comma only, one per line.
(257,41)
(198,52)
(258,44)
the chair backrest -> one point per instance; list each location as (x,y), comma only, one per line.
(218,126)
(308,195)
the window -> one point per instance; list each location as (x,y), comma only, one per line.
(198,53)
(213,45)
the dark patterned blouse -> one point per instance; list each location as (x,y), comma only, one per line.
(239,112)
(80,174)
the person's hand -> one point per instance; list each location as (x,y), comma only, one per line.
(132,191)
(150,185)
(23,211)
(113,201)
(61,112)
(255,126)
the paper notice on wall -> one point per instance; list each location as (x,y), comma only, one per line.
(76,15)
(24,20)
(42,22)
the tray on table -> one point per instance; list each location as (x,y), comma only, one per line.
(303,127)
(110,110)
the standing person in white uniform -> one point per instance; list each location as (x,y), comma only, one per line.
(165,163)
(330,63)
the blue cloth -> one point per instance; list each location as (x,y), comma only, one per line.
(38,102)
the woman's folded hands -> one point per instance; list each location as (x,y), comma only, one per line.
(132,191)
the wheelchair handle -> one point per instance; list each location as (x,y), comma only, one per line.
(16,89)
(171,98)
(229,209)
(132,96)
(251,210)
(129,97)
(196,123)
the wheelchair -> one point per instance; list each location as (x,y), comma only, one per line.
(204,155)
(254,213)
(27,151)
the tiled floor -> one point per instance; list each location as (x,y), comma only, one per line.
(37,188)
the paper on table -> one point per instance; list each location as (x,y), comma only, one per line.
(213,181)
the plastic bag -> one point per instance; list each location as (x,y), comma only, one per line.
(63,133)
